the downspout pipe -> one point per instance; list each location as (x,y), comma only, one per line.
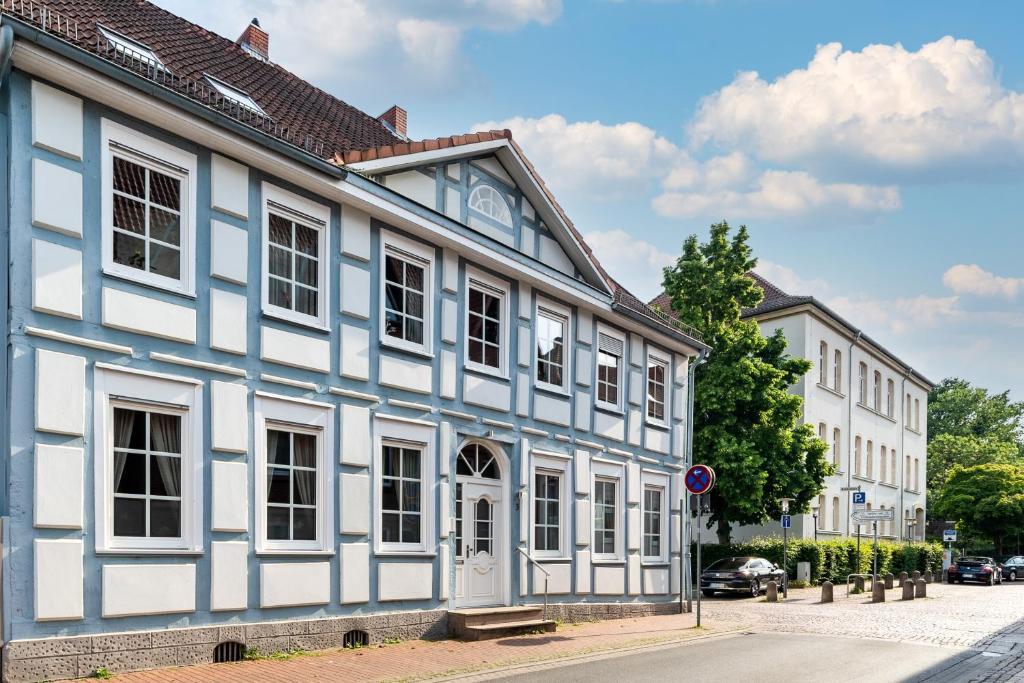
(903,448)
(849,426)
(686,590)
(6,49)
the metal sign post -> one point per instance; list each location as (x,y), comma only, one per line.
(874,553)
(859,503)
(700,523)
(699,480)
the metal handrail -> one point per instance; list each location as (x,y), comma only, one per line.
(547,575)
(850,576)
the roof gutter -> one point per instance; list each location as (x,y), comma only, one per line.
(6,48)
(24,31)
(661,327)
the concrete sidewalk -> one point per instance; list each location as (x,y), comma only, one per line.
(419,660)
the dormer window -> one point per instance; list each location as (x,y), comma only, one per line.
(131,51)
(234,95)
(486,200)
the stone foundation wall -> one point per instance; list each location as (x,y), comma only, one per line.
(585,611)
(80,656)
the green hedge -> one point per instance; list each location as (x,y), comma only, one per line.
(833,560)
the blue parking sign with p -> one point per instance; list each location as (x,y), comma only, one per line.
(860,497)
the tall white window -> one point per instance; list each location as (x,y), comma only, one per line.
(406,293)
(883,460)
(822,432)
(295,257)
(906,472)
(822,511)
(892,470)
(657,377)
(149,435)
(906,417)
(552,335)
(878,391)
(608,509)
(890,398)
(836,441)
(856,456)
(917,414)
(550,512)
(148,209)
(917,474)
(294,476)
(489,202)
(862,393)
(610,349)
(486,326)
(655,518)
(835,513)
(837,371)
(870,459)
(823,363)
(403,474)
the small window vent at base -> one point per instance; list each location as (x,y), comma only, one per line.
(228,652)
(356,638)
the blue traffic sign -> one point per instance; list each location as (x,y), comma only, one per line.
(787,521)
(860,497)
(699,479)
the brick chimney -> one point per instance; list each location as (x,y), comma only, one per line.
(395,119)
(255,40)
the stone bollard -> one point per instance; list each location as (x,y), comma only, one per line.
(771,593)
(858,584)
(915,576)
(903,578)
(877,591)
(826,591)
(921,589)
(927,576)
(888,581)
(908,590)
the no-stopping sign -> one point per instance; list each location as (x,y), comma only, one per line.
(699,479)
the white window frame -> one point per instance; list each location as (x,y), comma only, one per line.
(477,279)
(236,95)
(837,371)
(559,466)
(553,310)
(422,256)
(478,189)
(166,159)
(823,363)
(131,48)
(406,433)
(314,216)
(655,480)
(620,389)
(606,471)
(658,357)
(862,386)
(148,391)
(273,411)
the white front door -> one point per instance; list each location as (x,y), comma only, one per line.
(478,564)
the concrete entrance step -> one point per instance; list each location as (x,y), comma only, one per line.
(508,628)
(470,623)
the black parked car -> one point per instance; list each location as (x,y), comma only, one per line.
(982,569)
(1013,567)
(739,574)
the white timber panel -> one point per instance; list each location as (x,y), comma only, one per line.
(551,253)
(445,560)
(228,321)
(636,350)
(355,435)
(583,367)
(581,464)
(56,198)
(355,352)
(405,581)
(679,441)
(674,572)
(229,252)
(633,482)
(405,374)
(585,327)
(417,186)
(524,347)
(56,279)
(676,486)
(449,374)
(60,393)
(229,421)
(229,575)
(656,440)
(522,394)
(480,391)
(128,589)
(445,527)
(446,449)
(527,240)
(609,580)
(524,462)
(525,302)
(450,271)
(551,409)
(674,531)
(59,579)
(560,581)
(582,419)
(355,572)
(355,291)
(355,503)
(449,321)
(583,572)
(229,181)
(635,574)
(583,522)
(635,425)
(656,580)
(355,233)
(636,387)
(59,492)
(633,525)
(56,121)
(295,350)
(292,584)
(452,203)
(230,497)
(609,426)
(524,576)
(678,403)
(146,315)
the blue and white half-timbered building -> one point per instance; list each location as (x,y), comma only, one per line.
(275,375)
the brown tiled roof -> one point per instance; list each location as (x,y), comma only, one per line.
(190,51)
(355,156)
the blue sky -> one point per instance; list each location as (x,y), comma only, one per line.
(874,149)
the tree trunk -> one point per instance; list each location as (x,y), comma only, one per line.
(724,533)
(998,538)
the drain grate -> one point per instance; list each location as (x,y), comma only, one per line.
(356,638)
(228,652)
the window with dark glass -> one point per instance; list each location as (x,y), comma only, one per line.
(294,266)
(476,461)
(604,516)
(483,538)
(652,522)
(656,390)
(401,490)
(147,473)
(404,289)
(609,364)
(484,326)
(458,520)
(546,530)
(291,486)
(147,219)
(551,331)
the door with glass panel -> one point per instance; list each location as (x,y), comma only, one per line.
(479,516)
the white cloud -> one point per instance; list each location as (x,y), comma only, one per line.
(790,281)
(899,315)
(883,105)
(358,45)
(633,262)
(973,279)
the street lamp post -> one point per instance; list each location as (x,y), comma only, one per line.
(784,502)
(814,514)
(911,523)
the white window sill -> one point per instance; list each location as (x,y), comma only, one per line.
(610,409)
(879,413)
(131,279)
(831,390)
(888,485)
(861,478)
(280,315)
(388,345)
(610,561)
(294,553)
(655,562)
(657,425)
(405,553)
(912,430)
(150,551)
(552,559)
(551,389)
(476,368)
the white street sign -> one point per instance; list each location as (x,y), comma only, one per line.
(949,536)
(874,515)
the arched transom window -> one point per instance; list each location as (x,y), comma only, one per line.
(477,461)
(488,201)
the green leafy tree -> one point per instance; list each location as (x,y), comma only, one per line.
(957,408)
(947,450)
(746,421)
(988,499)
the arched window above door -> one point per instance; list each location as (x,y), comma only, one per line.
(477,461)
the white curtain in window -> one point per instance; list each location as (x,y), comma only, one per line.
(304,453)
(124,420)
(165,435)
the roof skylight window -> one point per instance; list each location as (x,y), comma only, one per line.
(237,96)
(133,50)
